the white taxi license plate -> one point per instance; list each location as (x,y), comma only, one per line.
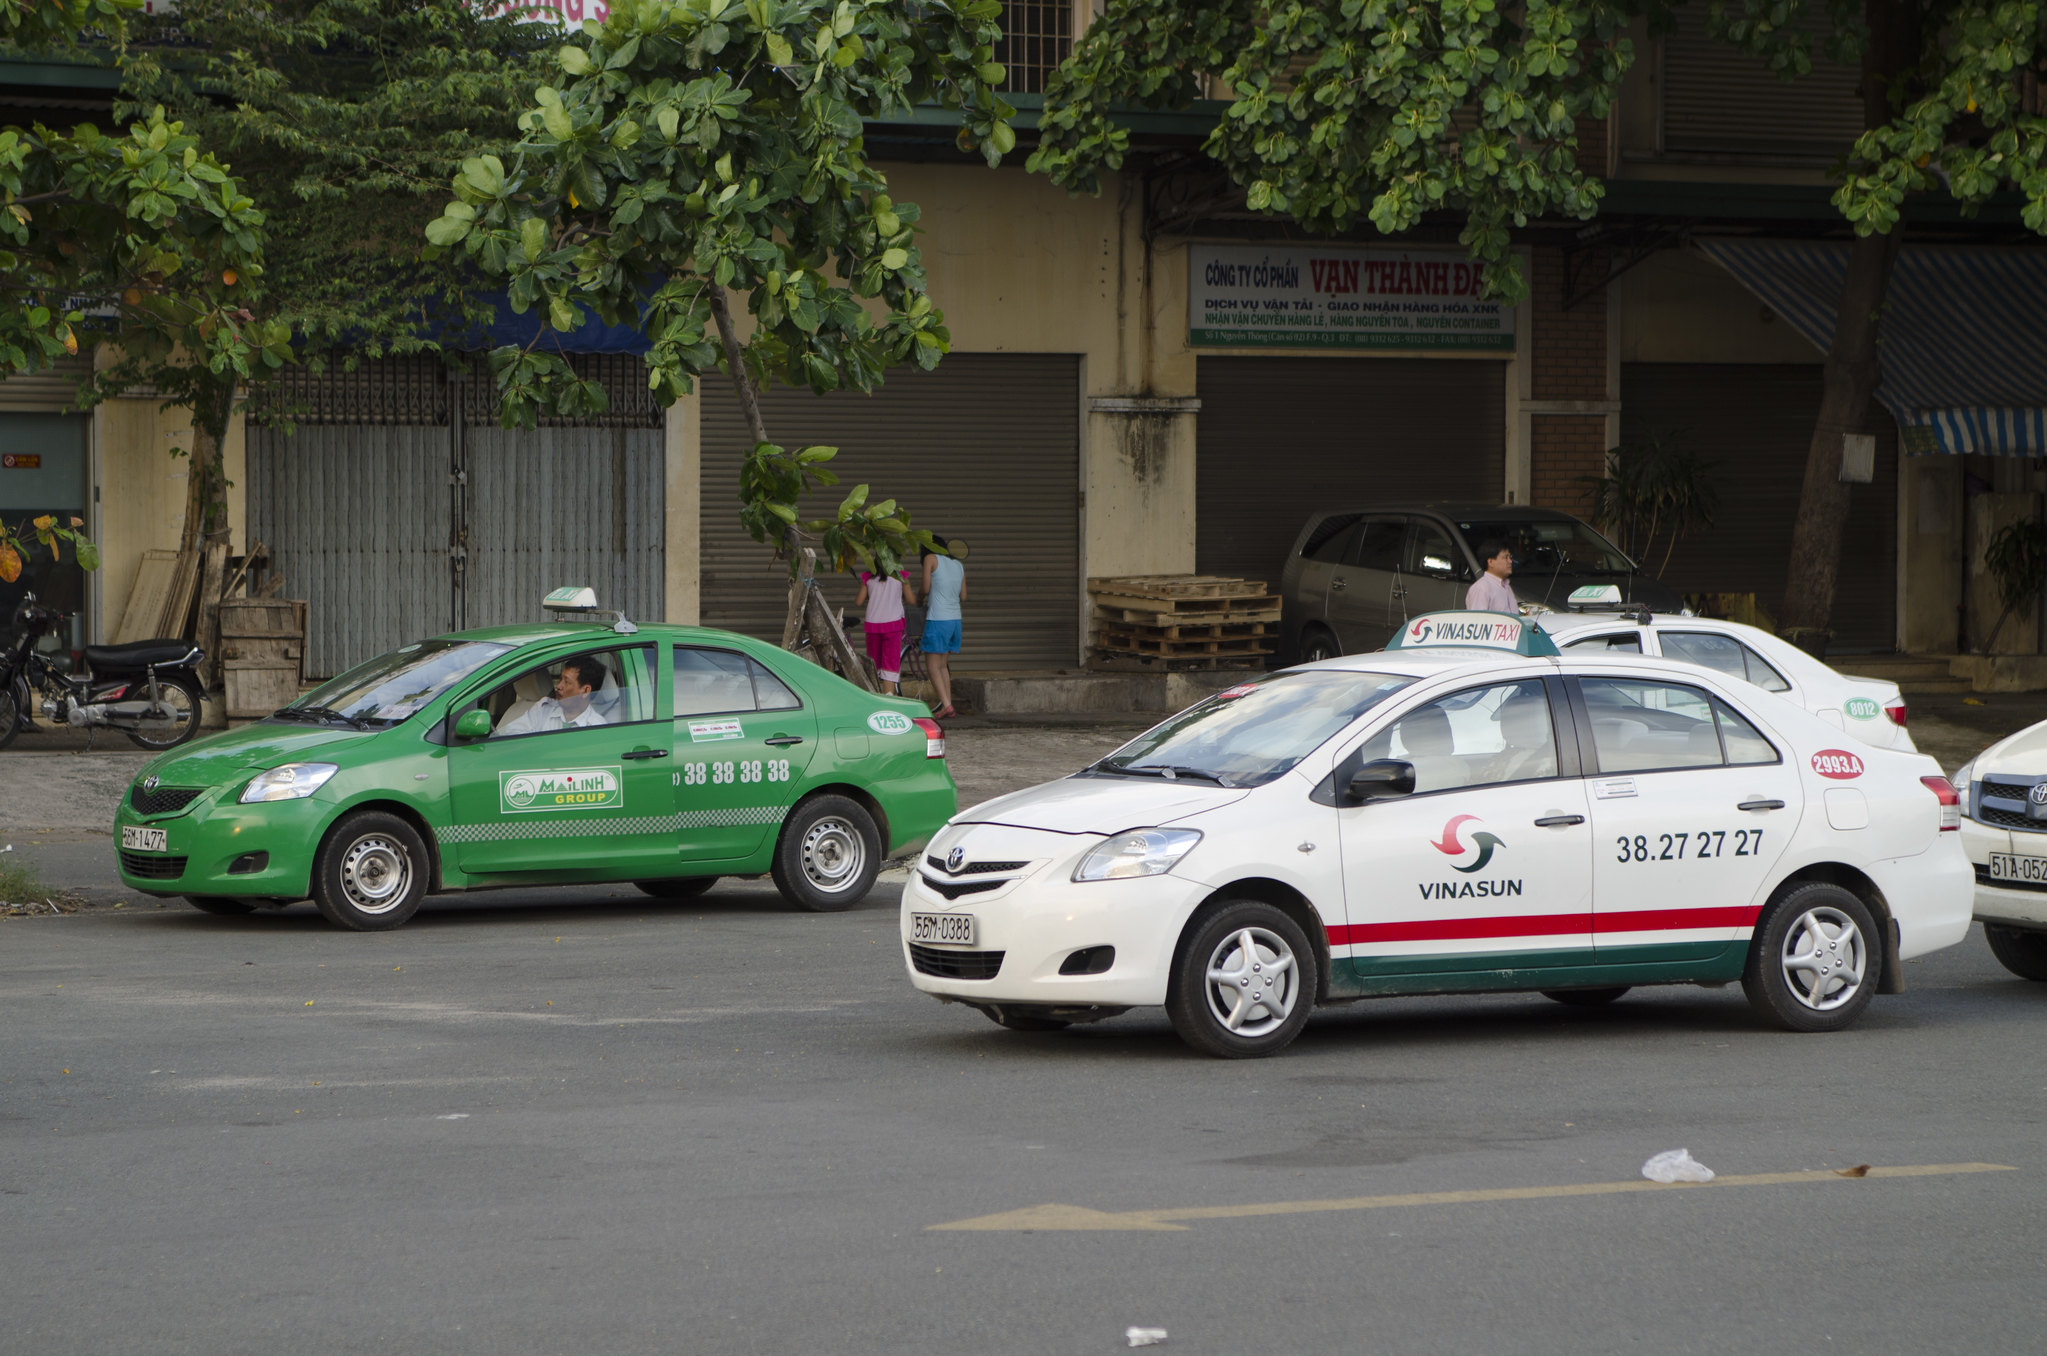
(137,839)
(957,928)
(2011,866)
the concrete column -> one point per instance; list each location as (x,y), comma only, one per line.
(683,492)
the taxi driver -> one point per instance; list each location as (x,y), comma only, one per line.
(568,706)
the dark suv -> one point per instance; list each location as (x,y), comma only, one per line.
(1356,575)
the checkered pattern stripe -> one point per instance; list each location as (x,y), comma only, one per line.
(511,831)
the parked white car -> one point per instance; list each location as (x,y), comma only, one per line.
(1467,812)
(2004,829)
(1869,709)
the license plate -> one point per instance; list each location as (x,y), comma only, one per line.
(957,928)
(2010,866)
(136,839)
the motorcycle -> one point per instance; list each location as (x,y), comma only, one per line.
(148,689)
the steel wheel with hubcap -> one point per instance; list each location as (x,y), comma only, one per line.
(828,855)
(1815,960)
(1244,980)
(1317,645)
(2018,950)
(371,874)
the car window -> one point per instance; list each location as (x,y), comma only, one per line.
(1481,737)
(391,687)
(710,682)
(1251,733)
(1334,541)
(1430,552)
(1761,674)
(1625,642)
(1641,725)
(551,696)
(1550,544)
(1725,654)
(1745,744)
(1380,544)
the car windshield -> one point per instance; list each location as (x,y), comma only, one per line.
(1565,546)
(391,687)
(1254,732)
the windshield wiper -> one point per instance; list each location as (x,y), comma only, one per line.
(1169,771)
(325,713)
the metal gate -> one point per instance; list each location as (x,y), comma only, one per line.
(398,508)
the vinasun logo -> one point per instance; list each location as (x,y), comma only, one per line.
(1451,844)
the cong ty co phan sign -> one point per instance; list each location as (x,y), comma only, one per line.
(1329,296)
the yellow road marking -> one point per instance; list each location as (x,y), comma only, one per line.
(1078,1217)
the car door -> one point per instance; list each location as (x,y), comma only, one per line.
(1361,602)
(1691,808)
(575,798)
(1433,576)
(743,743)
(1488,865)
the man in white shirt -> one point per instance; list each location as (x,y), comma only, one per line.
(1492,592)
(569,707)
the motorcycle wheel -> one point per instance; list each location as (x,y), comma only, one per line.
(10,714)
(182,696)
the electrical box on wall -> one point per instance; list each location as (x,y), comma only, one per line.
(1858,458)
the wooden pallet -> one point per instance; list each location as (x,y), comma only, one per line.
(1239,610)
(1104,661)
(1111,634)
(1184,649)
(1176,586)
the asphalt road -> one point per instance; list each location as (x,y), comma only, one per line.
(577,1121)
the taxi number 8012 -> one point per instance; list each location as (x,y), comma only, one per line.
(1670,847)
(724,774)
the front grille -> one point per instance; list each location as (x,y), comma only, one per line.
(149,866)
(933,960)
(2009,819)
(975,868)
(164,799)
(2006,790)
(1983,878)
(953,890)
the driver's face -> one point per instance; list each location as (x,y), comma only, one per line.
(569,685)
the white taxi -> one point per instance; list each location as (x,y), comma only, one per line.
(1468,811)
(2004,829)
(1870,710)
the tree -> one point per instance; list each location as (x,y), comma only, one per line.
(1388,111)
(696,146)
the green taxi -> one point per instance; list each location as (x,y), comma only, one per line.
(550,754)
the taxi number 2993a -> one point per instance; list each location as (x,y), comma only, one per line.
(724,774)
(1671,847)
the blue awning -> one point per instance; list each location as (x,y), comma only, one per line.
(1963,340)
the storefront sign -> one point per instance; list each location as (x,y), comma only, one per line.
(20,461)
(1329,296)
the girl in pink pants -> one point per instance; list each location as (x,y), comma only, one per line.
(882,627)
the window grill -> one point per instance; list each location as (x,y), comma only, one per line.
(1036,36)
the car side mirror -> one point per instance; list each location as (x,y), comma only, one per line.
(473,725)
(1381,779)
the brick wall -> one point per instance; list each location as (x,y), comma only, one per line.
(1569,360)
(1565,449)
(1592,143)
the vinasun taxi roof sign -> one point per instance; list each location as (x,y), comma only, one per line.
(1480,630)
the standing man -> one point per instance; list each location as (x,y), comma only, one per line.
(1492,592)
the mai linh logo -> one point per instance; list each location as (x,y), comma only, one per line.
(1483,843)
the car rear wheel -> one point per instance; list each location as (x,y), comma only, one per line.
(689,888)
(1244,981)
(1584,998)
(828,855)
(2018,950)
(1815,961)
(1318,644)
(371,873)
(220,904)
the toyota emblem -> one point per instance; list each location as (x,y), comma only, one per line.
(957,858)
(149,782)
(2038,795)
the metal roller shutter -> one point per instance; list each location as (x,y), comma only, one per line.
(1719,100)
(1756,422)
(1282,437)
(986,447)
(50,391)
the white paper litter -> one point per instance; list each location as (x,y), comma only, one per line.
(463,1116)
(1676,1165)
(1145,1337)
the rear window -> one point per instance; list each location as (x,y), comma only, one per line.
(1254,732)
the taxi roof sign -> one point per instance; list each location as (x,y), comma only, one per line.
(1474,630)
(571,598)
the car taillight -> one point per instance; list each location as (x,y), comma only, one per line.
(934,736)
(1895,709)
(1950,803)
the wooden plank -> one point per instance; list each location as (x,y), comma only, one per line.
(212,575)
(256,692)
(1172,616)
(177,611)
(1167,625)
(1176,586)
(1183,606)
(147,599)
(1101,661)
(1182,649)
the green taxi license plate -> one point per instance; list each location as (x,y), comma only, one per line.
(135,838)
(2011,866)
(957,928)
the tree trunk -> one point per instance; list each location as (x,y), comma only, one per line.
(1853,367)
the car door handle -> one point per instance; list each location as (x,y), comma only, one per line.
(644,753)
(1760,805)
(1558,821)
(1338,585)
(782,741)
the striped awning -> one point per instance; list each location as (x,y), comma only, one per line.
(1963,339)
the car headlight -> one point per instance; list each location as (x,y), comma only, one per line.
(293,781)
(1140,852)
(1964,774)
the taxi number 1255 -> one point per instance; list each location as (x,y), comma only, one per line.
(1671,847)
(724,774)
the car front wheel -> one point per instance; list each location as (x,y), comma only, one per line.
(1815,961)
(828,855)
(1244,982)
(371,873)
(1318,645)
(2022,952)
